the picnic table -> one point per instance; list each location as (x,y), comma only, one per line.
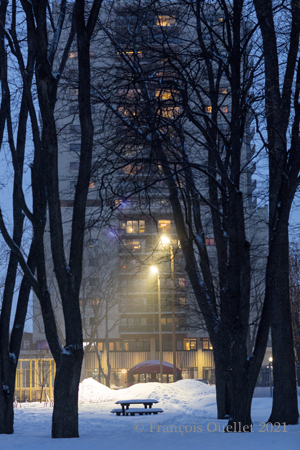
(126,411)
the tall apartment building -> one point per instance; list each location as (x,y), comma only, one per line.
(119,295)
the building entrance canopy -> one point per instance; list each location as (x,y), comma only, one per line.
(153,366)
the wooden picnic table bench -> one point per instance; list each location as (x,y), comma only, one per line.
(125,411)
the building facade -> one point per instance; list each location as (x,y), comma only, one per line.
(125,309)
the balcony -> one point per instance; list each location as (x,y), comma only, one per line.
(150,328)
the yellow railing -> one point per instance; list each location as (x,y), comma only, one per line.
(35,379)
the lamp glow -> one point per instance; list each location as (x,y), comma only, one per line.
(153,269)
(165,240)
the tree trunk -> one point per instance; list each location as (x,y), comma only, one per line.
(222,391)
(285,407)
(65,412)
(6,406)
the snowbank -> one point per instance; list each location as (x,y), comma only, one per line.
(183,392)
(92,391)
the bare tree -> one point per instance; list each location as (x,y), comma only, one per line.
(184,91)
(185,97)
(295,296)
(282,88)
(43,40)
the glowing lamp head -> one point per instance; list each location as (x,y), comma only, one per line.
(165,240)
(270,359)
(154,269)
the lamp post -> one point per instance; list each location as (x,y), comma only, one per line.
(270,375)
(154,270)
(166,241)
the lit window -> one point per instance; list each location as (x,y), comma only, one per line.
(141,226)
(209,241)
(163,321)
(166,21)
(100,346)
(164,225)
(92,184)
(170,113)
(206,344)
(111,346)
(132,226)
(223,90)
(135,226)
(164,94)
(73,55)
(208,109)
(189,344)
(131,54)
(132,169)
(133,245)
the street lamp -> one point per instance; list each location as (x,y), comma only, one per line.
(270,375)
(165,241)
(155,270)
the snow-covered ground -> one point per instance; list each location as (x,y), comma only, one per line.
(188,421)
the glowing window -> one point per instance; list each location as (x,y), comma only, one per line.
(206,344)
(111,346)
(131,54)
(223,90)
(73,55)
(210,241)
(170,113)
(189,344)
(166,21)
(208,109)
(135,226)
(164,225)
(164,94)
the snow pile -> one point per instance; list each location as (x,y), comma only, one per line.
(181,394)
(92,391)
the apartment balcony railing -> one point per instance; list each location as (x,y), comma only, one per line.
(149,328)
